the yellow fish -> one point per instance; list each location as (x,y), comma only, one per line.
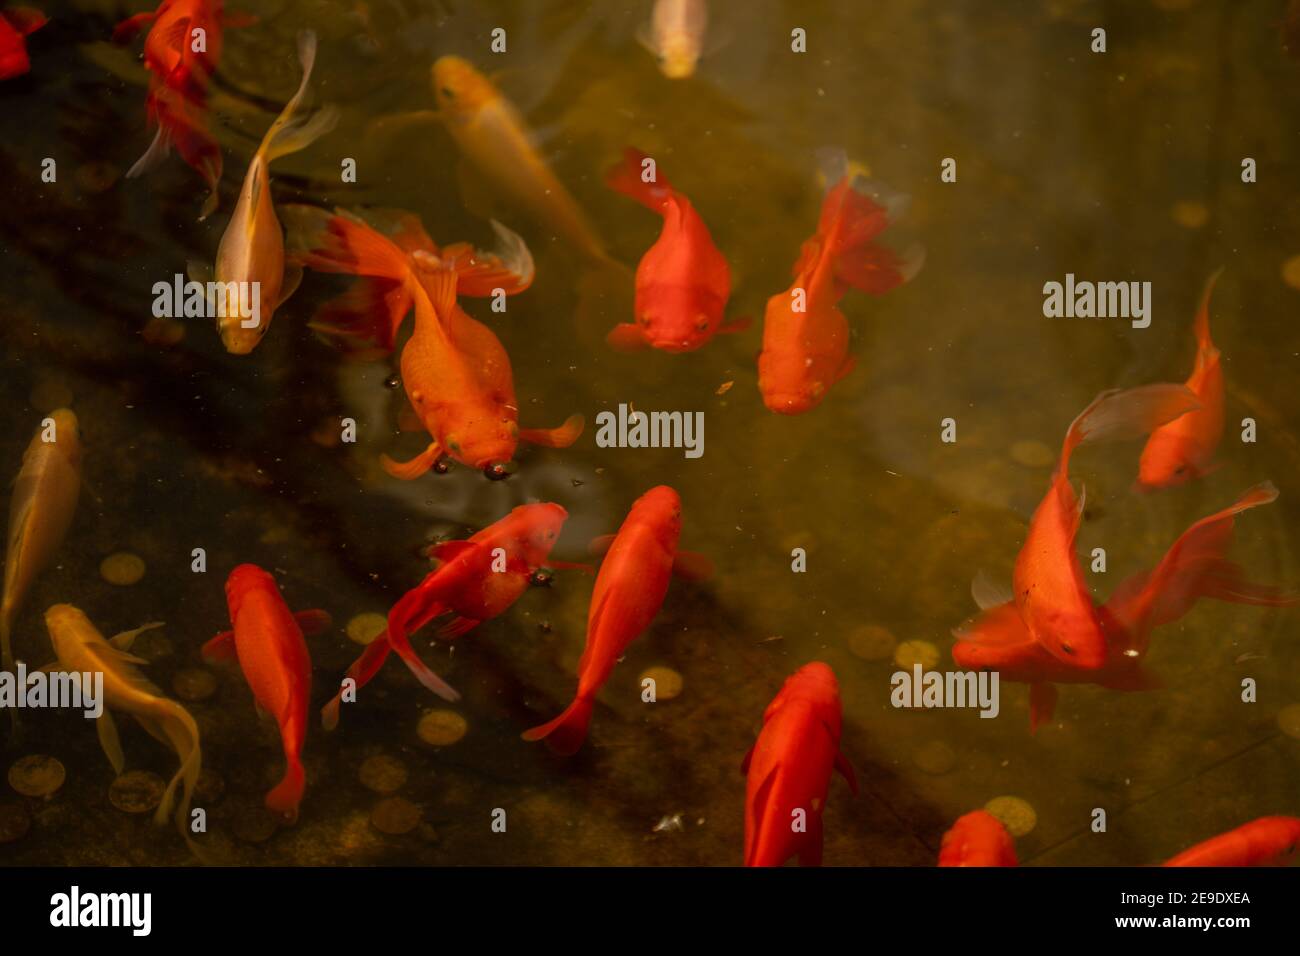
(252,248)
(43,503)
(675,35)
(492,136)
(80,648)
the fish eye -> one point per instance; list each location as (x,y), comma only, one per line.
(448,92)
(1180,469)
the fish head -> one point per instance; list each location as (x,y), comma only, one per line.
(459,89)
(681,319)
(487,444)
(540,528)
(242,581)
(68,626)
(814,685)
(661,509)
(678,55)
(66,433)
(1164,464)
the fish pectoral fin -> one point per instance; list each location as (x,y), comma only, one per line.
(449,550)
(561,437)
(736,325)
(599,545)
(108,739)
(571,566)
(627,337)
(749,757)
(124,640)
(692,566)
(313,622)
(292,279)
(1042,704)
(417,466)
(399,122)
(844,767)
(220,648)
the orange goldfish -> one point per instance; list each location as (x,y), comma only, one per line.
(978,839)
(805,335)
(1194,567)
(268,641)
(252,247)
(40,512)
(454,369)
(17,23)
(789,770)
(467,584)
(182,51)
(630,589)
(1048,584)
(492,136)
(1268,841)
(675,35)
(1181,450)
(682,282)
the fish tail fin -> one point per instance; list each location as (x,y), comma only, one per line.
(285,797)
(341,242)
(1201,325)
(854,212)
(397,640)
(363,670)
(180,728)
(291,133)
(628,177)
(1126,413)
(508,268)
(566,733)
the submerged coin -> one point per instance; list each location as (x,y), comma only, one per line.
(14,822)
(935,757)
(395,816)
(668,683)
(37,775)
(383,774)
(1291,272)
(1016,815)
(871,642)
(136,791)
(916,652)
(1288,719)
(122,568)
(442,727)
(365,628)
(1190,214)
(194,683)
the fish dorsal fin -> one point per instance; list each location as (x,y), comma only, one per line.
(123,641)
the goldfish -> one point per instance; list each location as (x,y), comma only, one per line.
(268,641)
(181,52)
(491,135)
(675,35)
(1194,567)
(252,247)
(16,24)
(455,371)
(475,581)
(1268,841)
(80,648)
(682,282)
(1181,450)
(978,839)
(630,588)
(789,770)
(1050,592)
(40,513)
(805,335)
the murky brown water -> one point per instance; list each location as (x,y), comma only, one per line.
(1068,161)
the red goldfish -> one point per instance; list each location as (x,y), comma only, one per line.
(1181,450)
(790,767)
(682,282)
(978,839)
(454,369)
(15,24)
(1268,841)
(805,335)
(1194,567)
(268,641)
(630,589)
(469,584)
(182,51)
(1050,592)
